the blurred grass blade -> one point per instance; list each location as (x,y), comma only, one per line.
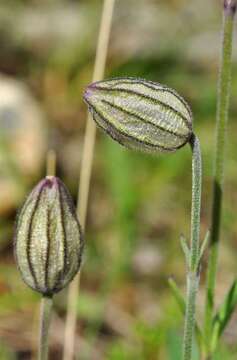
(222,115)
(182,306)
(174,346)
(223,315)
(177,295)
(204,245)
(186,250)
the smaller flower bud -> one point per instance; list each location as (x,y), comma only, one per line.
(48,239)
(140,114)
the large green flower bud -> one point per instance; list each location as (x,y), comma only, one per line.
(48,239)
(140,114)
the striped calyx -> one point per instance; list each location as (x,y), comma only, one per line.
(48,239)
(140,114)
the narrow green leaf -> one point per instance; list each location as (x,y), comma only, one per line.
(185,247)
(204,245)
(223,315)
(177,295)
(174,345)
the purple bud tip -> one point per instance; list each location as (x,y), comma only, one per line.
(89,91)
(230,7)
(48,182)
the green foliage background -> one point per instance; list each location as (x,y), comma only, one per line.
(139,204)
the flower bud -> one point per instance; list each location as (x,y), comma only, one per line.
(140,114)
(48,238)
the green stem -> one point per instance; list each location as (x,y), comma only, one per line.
(193,265)
(221,124)
(45,318)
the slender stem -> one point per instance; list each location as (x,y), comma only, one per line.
(89,140)
(85,173)
(51,162)
(193,265)
(192,287)
(221,124)
(196,202)
(45,317)
(46,302)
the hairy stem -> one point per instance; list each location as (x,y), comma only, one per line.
(85,173)
(193,265)
(45,317)
(221,124)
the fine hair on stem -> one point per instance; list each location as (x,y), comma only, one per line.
(192,257)
(45,318)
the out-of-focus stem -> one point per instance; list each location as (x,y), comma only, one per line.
(51,163)
(89,140)
(221,124)
(85,173)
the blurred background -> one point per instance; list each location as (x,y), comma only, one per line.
(139,204)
